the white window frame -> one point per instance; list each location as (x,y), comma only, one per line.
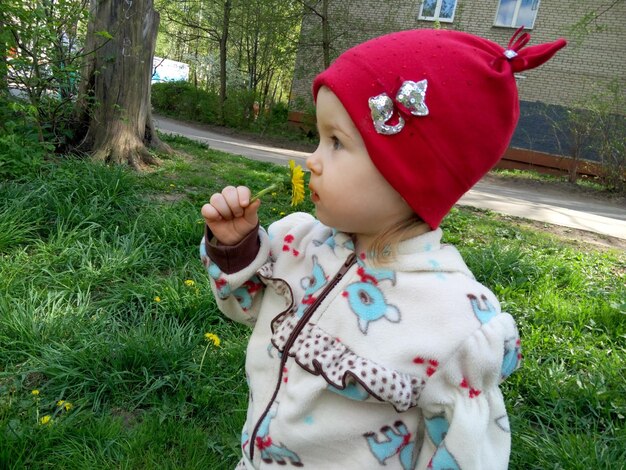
(435,17)
(518,5)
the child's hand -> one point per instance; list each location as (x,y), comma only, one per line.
(230,216)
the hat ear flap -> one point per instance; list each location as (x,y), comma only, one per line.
(534,56)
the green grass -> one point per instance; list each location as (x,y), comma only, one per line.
(584,183)
(86,249)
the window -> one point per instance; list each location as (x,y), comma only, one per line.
(438,10)
(516,13)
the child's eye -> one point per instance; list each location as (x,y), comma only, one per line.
(336,143)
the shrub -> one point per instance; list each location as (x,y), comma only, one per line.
(183,100)
(21,150)
(238,109)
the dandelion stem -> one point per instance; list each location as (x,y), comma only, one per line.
(263,192)
(203,356)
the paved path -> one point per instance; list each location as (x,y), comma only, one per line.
(545,205)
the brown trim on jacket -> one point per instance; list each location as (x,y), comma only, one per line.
(231,259)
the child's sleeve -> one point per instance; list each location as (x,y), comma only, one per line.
(233,275)
(467,426)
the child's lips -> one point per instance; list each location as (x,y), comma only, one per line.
(314,196)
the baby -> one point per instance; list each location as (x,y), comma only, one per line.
(372,343)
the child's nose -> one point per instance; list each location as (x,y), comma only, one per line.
(313,162)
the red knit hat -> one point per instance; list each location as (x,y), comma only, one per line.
(436,108)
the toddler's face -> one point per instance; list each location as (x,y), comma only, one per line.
(348,191)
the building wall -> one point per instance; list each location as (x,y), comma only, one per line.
(586,66)
(575,72)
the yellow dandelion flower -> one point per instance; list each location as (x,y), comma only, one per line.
(65,404)
(47,419)
(213,338)
(296,175)
(189,283)
(35,392)
(296,185)
(157,299)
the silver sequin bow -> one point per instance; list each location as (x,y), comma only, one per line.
(411,95)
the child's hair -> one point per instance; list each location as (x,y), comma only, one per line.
(383,249)
(435,108)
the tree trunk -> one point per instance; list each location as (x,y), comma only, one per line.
(223,50)
(325,34)
(4,84)
(115,107)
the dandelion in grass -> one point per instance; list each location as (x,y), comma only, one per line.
(190,283)
(295,184)
(35,394)
(212,339)
(47,419)
(157,299)
(66,405)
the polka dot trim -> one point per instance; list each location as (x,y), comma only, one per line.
(321,354)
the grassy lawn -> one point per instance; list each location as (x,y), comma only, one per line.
(104,305)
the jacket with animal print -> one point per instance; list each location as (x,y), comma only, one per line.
(351,366)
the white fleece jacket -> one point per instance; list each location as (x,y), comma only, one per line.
(394,368)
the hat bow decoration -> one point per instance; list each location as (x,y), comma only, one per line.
(411,95)
(517,41)
(522,58)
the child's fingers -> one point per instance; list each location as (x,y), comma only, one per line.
(210,214)
(231,196)
(243,193)
(218,201)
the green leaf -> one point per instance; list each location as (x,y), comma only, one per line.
(104,34)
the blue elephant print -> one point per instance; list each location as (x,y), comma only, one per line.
(270,451)
(312,284)
(437,428)
(396,441)
(367,300)
(483,314)
(512,356)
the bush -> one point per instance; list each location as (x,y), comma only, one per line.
(598,127)
(183,100)
(238,107)
(21,151)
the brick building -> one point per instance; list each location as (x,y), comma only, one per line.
(588,65)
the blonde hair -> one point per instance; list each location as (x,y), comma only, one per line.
(384,248)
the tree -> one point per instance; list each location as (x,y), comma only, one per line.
(4,50)
(202,20)
(40,39)
(592,21)
(265,37)
(114,109)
